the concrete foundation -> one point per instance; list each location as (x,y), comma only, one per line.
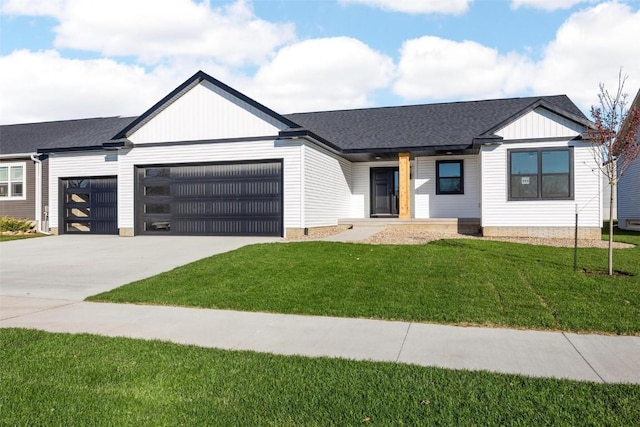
(126,232)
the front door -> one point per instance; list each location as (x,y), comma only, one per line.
(384,191)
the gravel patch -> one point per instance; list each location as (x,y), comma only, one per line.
(394,236)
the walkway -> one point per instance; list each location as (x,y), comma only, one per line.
(609,359)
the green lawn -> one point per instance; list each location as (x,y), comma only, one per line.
(61,379)
(7,238)
(449,281)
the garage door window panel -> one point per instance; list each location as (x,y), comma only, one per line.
(90,205)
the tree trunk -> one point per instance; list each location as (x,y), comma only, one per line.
(613,187)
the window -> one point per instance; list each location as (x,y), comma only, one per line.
(449,177)
(540,174)
(12,181)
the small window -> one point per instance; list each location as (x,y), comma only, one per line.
(540,174)
(12,181)
(449,177)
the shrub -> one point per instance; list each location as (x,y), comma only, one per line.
(13,224)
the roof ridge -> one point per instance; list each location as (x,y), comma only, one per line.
(533,98)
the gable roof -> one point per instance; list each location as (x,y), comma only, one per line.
(59,135)
(627,122)
(416,128)
(426,127)
(194,80)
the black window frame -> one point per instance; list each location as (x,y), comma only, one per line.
(540,174)
(461,177)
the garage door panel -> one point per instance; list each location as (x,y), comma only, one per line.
(211,199)
(90,205)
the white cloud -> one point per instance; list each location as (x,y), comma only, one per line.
(454,7)
(435,68)
(231,34)
(40,86)
(589,48)
(317,74)
(548,5)
(31,7)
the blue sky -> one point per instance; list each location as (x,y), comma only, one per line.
(63,59)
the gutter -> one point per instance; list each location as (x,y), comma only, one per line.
(38,196)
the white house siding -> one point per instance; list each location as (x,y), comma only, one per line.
(537,123)
(498,211)
(289,151)
(205,113)
(629,198)
(327,187)
(76,165)
(428,204)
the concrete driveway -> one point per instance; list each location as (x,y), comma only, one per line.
(73,267)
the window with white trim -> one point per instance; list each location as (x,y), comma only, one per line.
(12,181)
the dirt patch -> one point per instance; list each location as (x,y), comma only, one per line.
(319,233)
(391,236)
(616,273)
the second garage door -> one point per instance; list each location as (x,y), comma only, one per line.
(243,199)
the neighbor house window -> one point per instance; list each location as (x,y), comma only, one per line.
(449,177)
(540,174)
(12,181)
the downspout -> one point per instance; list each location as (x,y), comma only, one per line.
(38,195)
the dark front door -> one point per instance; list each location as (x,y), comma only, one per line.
(384,191)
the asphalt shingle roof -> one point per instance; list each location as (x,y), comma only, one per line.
(443,125)
(29,137)
(430,125)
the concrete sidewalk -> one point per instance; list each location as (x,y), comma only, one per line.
(608,359)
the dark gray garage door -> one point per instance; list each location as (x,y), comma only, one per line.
(90,205)
(243,199)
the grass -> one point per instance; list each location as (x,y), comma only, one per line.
(61,379)
(7,238)
(449,281)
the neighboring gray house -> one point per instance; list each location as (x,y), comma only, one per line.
(208,160)
(629,189)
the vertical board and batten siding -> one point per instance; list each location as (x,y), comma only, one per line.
(206,113)
(327,187)
(540,123)
(629,197)
(428,204)
(25,208)
(361,187)
(498,211)
(288,151)
(76,165)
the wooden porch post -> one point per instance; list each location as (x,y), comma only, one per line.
(404,166)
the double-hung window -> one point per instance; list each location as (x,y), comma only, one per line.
(12,181)
(449,177)
(544,174)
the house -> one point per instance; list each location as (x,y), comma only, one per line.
(629,187)
(208,160)
(24,172)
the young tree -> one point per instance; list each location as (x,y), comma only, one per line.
(614,139)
